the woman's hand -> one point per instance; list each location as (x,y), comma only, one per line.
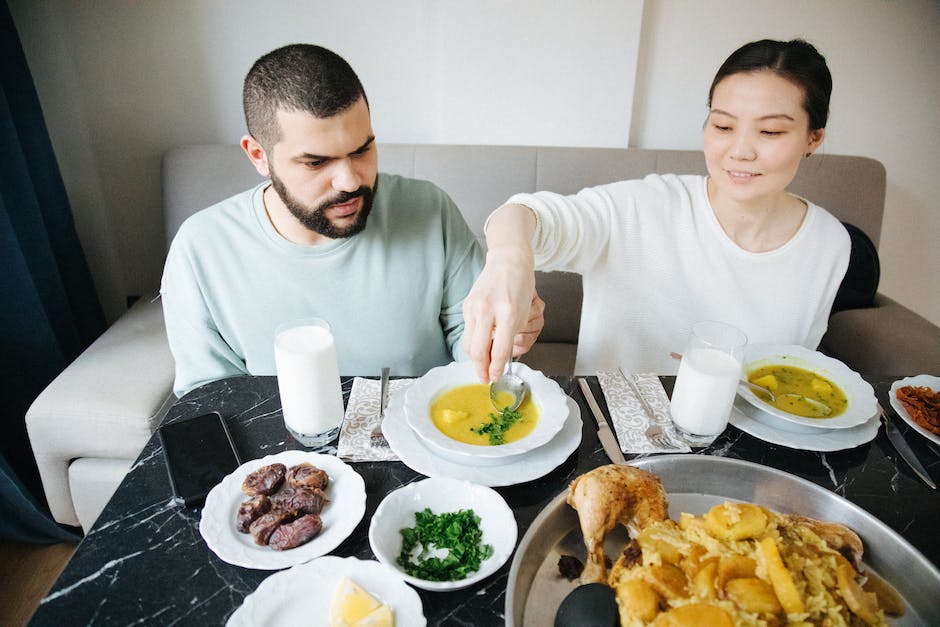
(502,313)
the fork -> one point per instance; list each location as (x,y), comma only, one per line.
(377,438)
(655,433)
(658,436)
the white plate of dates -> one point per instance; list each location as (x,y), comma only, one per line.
(282,510)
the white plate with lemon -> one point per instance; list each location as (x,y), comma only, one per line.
(335,591)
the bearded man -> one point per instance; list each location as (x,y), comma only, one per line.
(386,260)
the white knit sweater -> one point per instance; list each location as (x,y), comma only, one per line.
(655,260)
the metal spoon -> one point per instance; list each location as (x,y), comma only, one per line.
(758,388)
(819,406)
(512,384)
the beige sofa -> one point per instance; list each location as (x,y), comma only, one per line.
(90,424)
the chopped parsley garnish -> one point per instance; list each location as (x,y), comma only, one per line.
(498,425)
(458,533)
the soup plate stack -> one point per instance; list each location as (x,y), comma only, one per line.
(426,449)
(858,423)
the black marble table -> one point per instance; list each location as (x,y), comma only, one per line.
(144,562)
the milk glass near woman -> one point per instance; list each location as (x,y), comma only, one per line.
(708,379)
(659,254)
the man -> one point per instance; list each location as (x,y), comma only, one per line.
(385,260)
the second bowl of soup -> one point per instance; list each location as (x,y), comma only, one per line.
(802,380)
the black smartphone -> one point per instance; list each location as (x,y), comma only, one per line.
(199,453)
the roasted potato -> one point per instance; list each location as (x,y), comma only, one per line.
(694,615)
(736,521)
(754,595)
(636,599)
(780,578)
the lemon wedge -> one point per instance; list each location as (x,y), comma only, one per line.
(379,617)
(353,606)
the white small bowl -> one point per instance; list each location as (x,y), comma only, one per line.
(862,404)
(548,397)
(397,512)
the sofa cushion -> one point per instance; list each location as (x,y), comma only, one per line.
(851,188)
(562,293)
(105,404)
(885,340)
(92,482)
(552,358)
(196,177)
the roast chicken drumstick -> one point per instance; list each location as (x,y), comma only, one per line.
(612,495)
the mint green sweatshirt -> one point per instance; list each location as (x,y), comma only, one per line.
(392,294)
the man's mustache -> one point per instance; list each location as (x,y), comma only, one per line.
(343,197)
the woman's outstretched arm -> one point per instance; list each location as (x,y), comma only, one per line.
(500,303)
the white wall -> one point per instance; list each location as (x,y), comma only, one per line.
(120,82)
(885,62)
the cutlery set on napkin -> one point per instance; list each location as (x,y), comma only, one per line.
(639,410)
(356,442)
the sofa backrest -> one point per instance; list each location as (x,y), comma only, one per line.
(196,177)
(480,178)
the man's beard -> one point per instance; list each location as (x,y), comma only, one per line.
(315,218)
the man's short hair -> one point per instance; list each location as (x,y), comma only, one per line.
(298,77)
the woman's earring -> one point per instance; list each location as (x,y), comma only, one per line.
(807,155)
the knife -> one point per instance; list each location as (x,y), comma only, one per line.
(604,434)
(903,449)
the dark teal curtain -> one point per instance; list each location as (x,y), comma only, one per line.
(50,310)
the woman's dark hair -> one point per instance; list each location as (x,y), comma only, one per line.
(298,77)
(797,61)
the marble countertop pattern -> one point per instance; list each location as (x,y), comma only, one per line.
(144,562)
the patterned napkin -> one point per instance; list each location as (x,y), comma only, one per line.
(630,419)
(362,413)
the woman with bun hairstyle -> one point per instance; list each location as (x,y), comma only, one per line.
(664,252)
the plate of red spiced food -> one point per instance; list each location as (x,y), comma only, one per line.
(917,402)
(282,510)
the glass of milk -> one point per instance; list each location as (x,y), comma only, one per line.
(308,380)
(708,379)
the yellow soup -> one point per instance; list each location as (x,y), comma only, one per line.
(458,411)
(790,385)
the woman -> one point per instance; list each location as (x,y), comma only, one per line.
(661,253)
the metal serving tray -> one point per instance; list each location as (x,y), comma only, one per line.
(694,484)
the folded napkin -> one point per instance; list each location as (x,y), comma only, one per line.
(630,419)
(362,415)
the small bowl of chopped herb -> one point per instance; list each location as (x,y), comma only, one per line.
(443,534)
(453,415)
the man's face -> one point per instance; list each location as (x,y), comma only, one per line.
(325,169)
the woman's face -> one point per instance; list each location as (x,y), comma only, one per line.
(756,134)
